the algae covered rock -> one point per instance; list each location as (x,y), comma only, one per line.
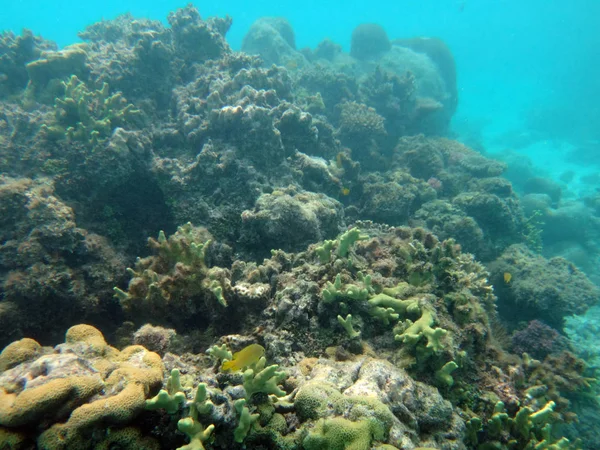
(49,266)
(290,220)
(540,288)
(380,400)
(195,39)
(273,39)
(16,51)
(47,72)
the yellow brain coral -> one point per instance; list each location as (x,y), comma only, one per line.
(83,384)
(17,352)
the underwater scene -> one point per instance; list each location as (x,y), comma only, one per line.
(300,225)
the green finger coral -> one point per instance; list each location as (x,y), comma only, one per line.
(169,399)
(175,282)
(89,116)
(348,239)
(347,325)
(415,331)
(263,379)
(245,422)
(334,291)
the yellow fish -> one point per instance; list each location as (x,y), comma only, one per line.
(338,161)
(507,277)
(244,358)
(345,191)
(292,64)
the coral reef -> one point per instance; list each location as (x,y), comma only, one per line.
(175,285)
(304,245)
(291,220)
(412,300)
(273,39)
(538,340)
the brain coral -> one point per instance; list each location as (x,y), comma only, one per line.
(82,384)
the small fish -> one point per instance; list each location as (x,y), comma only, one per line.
(338,160)
(292,64)
(244,358)
(345,191)
(507,277)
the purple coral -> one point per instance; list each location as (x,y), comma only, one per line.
(538,340)
(155,338)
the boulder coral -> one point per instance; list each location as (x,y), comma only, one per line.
(547,290)
(369,40)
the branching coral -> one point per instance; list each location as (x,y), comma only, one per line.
(527,429)
(165,284)
(259,378)
(173,398)
(89,116)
